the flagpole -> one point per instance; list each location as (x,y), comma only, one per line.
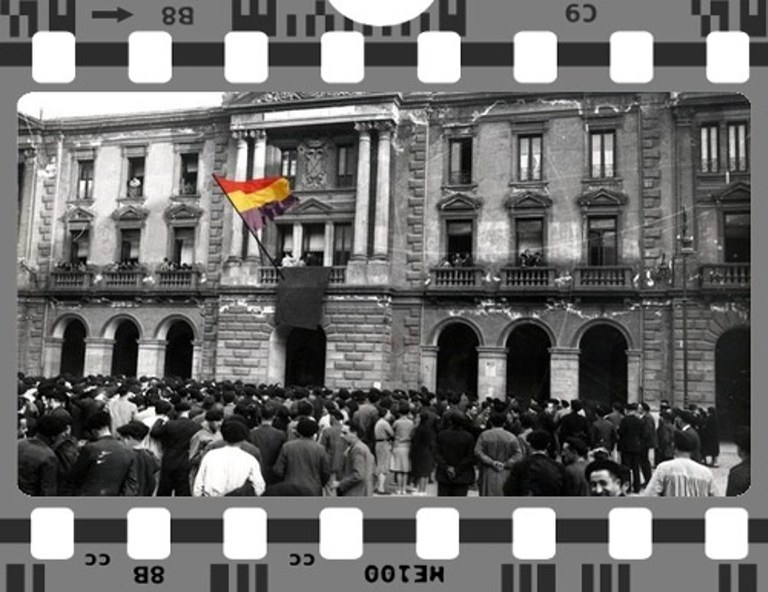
(253,234)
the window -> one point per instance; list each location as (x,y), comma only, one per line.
(460,161)
(736,228)
(342,243)
(345,173)
(710,161)
(459,240)
(284,240)
(79,245)
(130,239)
(530,241)
(189,169)
(529,164)
(313,244)
(85,179)
(183,246)
(288,165)
(602,155)
(738,147)
(136,176)
(601,241)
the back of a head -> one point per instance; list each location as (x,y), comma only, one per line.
(684,442)
(577,445)
(305,408)
(306,428)
(98,421)
(539,440)
(51,426)
(133,429)
(215,414)
(497,420)
(618,407)
(163,407)
(576,405)
(233,431)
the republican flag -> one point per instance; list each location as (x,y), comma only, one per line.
(259,200)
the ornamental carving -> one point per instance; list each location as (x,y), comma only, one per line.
(282,97)
(315,173)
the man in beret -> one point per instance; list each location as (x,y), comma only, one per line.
(303,461)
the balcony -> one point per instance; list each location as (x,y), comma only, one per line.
(187,279)
(64,281)
(725,276)
(269,276)
(456,278)
(610,278)
(129,280)
(527,278)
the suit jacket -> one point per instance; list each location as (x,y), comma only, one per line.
(175,436)
(269,441)
(574,425)
(303,462)
(455,448)
(37,467)
(631,434)
(357,471)
(106,467)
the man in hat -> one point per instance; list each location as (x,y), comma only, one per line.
(303,461)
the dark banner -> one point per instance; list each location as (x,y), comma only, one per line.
(300,296)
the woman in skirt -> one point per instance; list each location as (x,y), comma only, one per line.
(400,464)
(423,450)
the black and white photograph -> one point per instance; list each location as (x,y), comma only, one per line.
(383,294)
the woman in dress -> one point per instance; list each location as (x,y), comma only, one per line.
(423,450)
(401,450)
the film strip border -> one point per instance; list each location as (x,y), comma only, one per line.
(340,533)
(343,57)
(247,578)
(16,577)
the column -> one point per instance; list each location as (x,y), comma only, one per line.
(564,373)
(151,360)
(328,252)
(197,359)
(25,207)
(634,374)
(298,239)
(491,372)
(360,245)
(259,168)
(429,366)
(98,355)
(241,170)
(52,356)
(381,228)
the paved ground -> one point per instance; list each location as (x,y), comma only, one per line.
(727,459)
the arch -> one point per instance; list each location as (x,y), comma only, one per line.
(603,364)
(576,343)
(73,348)
(60,324)
(733,380)
(161,333)
(457,358)
(125,350)
(528,347)
(511,327)
(305,355)
(179,349)
(110,327)
(437,330)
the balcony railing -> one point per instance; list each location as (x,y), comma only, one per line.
(725,275)
(269,276)
(177,280)
(610,277)
(456,278)
(123,280)
(70,280)
(528,278)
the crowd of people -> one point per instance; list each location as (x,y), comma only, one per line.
(117,436)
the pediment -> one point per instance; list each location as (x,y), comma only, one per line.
(311,206)
(182,212)
(130,213)
(459,202)
(529,200)
(602,198)
(738,192)
(78,215)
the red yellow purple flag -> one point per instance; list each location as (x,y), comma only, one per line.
(258,200)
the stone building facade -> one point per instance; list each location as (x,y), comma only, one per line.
(514,244)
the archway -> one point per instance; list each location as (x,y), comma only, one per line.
(305,357)
(73,348)
(179,350)
(457,359)
(528,362)
(603,365)
(732,381)
(125,351)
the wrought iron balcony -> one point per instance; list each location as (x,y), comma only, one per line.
(456,278)
(604,278)
(527,278)
(725,276)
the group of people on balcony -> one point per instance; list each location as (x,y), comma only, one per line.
(306,260)
(458,260)
(118,436)
(72,266)
(171,265)
(528,259)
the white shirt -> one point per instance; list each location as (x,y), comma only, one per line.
(681,477)
(224,470)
